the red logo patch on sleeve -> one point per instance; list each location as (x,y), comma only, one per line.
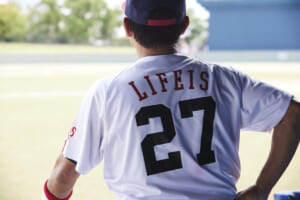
(72,132)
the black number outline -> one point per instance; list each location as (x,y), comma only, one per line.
(152,165)
(207,104)
(174,161)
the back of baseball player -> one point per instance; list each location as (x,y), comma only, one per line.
(168,126)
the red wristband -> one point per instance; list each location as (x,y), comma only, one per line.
(51,196)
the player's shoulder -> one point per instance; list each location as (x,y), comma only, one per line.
(104,82)
(217,68)
(224,74)
(213,67)
(226,70)
(100,86)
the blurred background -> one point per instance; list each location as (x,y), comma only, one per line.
(52,51)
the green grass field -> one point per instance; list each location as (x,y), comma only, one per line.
(38,103)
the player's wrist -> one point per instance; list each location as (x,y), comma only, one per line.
(262,190)
(47,195)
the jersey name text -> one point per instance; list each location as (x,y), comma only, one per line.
(177,81)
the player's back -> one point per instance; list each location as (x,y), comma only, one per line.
(172,130)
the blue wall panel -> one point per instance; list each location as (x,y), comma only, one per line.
(253,24)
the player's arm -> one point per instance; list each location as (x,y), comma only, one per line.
(285,140)
(62,180)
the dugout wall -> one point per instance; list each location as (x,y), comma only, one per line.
(253,24)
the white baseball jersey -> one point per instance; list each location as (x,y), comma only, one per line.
(169,128)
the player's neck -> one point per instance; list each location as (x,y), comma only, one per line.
(144,52)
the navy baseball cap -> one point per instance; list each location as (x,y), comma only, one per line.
(139,11)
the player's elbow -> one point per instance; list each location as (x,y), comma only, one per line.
(291,120)
(297,118)
(63,178)
(64,173)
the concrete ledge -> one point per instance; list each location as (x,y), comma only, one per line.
(209,56)
(250,56)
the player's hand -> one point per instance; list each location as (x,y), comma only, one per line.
(252,193)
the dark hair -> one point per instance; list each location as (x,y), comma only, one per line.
(157,36)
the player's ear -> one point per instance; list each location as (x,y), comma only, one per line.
(126,26)
(186,23)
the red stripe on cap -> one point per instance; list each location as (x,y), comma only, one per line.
(51,196)
(123,5)
(161,22)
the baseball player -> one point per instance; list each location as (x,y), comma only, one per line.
(169,125)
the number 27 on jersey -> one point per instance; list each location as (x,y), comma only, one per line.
(187,107)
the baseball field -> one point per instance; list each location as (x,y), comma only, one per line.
(38,103)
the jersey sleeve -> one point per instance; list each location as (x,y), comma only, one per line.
(262,105)
(85,140)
